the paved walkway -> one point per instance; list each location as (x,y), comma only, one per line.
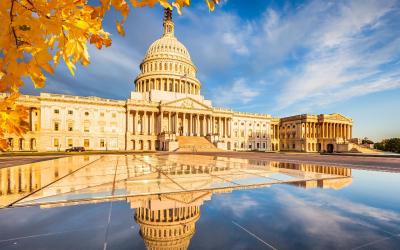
(9,161)
(358,162)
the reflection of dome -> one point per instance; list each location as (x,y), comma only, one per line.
(167,228)
(168,221)
(167,65)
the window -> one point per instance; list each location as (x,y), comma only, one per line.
(294,146)
(56,143)
(87,113)
(86,126)
(70,112)
(70,142)
(114,115)
(101,114)
(56,126)
(56,111)
(70,126)
(86,143)
(102,144)
(102,129)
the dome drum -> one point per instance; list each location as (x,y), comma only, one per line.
(167,66)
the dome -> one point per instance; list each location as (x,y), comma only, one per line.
(167,65)
(168,46)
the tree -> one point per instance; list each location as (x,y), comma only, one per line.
(36,34)
(391,145)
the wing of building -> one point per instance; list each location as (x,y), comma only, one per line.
(166,111)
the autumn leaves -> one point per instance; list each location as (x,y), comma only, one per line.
(36,34)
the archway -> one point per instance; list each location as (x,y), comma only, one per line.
(33,144)
(329,148)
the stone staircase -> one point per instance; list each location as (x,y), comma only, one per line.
(355,148)
(195,144)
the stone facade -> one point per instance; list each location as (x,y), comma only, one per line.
(314,133)
(166,104)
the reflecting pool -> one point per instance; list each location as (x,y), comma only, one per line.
(196,202)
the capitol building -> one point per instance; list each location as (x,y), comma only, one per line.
(166,111)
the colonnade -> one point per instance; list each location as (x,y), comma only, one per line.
(179,123)
(167,215)
(327,130)
(275,131)
(168,84)
(336,130)
(141,122)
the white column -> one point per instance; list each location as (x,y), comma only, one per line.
(153,119)
(161,121)
(197,125)
(176,123)
(190,124)
(135,122)
(169,122)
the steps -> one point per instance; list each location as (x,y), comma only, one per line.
(195,144)
(355,148)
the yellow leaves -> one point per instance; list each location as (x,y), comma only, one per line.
(179,4)
(211,4)
(81,24)
(35,34)
(99,41)
(12,118)
(120,29)
(70,66)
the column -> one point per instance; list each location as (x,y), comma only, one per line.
(212,124)
(145,124)
(176,123)
(351,131)
(153,119)
(161,121)
(184,123)
(198,125)
(191,124)
(169,122)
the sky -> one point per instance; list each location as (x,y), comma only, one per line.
(276,57)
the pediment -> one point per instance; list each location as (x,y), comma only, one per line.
(340,117)
(187,103)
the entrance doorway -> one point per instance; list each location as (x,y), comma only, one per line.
(329,148)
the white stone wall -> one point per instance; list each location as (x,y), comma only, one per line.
(95,125)
(251,133)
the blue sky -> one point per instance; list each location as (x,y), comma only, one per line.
(276,57)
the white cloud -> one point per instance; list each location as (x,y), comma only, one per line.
(239,91)
(343,58)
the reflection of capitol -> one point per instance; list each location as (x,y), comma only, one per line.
(165,191)
(168,221)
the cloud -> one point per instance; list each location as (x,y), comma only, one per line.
(238,91)
(344,57)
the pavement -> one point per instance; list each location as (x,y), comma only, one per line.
(391,164)
(9,161)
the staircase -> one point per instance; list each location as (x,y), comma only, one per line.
(195,144)
(355,148)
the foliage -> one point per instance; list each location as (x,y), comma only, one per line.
(391,145)
(367,141)
(36,34)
